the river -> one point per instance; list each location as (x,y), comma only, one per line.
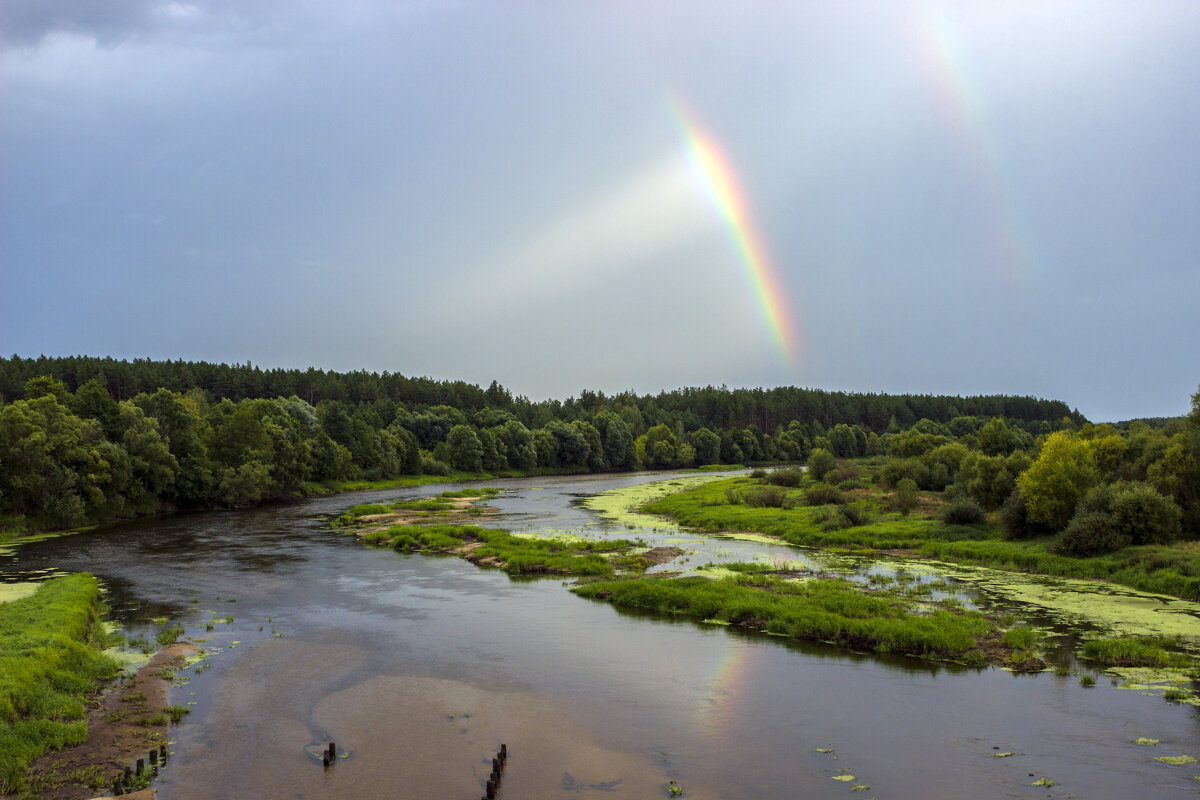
(420,667)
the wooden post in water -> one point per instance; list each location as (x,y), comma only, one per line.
(497,766)
(141,766)
(503,752)
(332,751)
(162,753)
(154,758)
(491,789)
(117,788)
(325,759)
(128,775)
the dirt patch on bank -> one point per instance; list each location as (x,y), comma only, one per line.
(661,555)
(124,723)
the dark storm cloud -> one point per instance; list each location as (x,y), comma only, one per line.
(28,23)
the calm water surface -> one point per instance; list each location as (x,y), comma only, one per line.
(419,667)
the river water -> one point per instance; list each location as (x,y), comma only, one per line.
(420,667)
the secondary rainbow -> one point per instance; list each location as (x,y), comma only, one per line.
(721,186)
(941,50)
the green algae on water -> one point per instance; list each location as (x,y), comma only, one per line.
(16,591)
(1176,760)
(621,505)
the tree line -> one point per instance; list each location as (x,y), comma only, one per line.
(88,439)
(712,407)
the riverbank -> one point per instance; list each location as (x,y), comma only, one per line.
(125,722)
(50,662)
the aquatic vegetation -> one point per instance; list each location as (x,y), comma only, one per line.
(829,610)
(516,555)
(1176,760)
(844,777)
(1144,742)
(177,713)
(48,661)
(1043,781)
(1127,651)
(1087,680)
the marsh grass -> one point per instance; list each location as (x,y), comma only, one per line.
(1130,651)
(48,663)
(516,555)
(828,610)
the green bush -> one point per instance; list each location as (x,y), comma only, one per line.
(431,466)
(1090,534)
(1015,521)
(904,499)
(821,494)
(964,512)
(842,517)
(791,477)
(820,462)
(1144,515)
(767,497)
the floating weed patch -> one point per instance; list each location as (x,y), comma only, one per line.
(1003,755)
(826,750)
(1043,781)
(846,777)
(1087,681)
(1176,760)
(1144,742)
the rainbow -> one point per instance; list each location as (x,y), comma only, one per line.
(940,50)
(721,186)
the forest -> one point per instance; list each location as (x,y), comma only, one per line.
(86,439)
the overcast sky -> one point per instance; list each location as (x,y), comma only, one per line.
(958,198)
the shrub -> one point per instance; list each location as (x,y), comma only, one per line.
(820,462)
(897,469)
(767,497)
(964,512)
(758,473)
(1014,518)
(821,494)
(844,472)
(431,466)
(786,477)
(1144,515)
(904,499)
(1090,534)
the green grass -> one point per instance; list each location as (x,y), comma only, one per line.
(516,555)
(48,664)
(830,610)
(1163,569)
(1129,651)
(1021,638)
